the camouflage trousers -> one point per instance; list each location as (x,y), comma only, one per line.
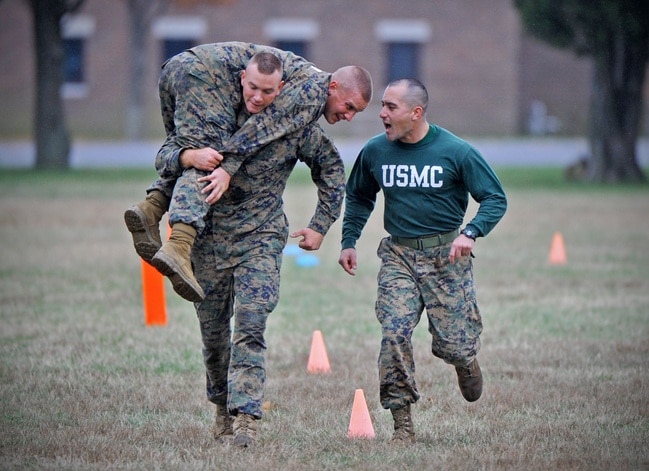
(409,282)
(233,322)
(187,204)
(197,112)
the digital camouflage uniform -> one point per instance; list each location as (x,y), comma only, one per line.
(426,186)
(200,92)
(411,281)
(238,255)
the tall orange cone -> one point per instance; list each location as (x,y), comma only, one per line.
(360,423)
(318,358)
(153,290)
(558,250)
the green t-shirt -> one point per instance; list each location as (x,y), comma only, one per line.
(426,187)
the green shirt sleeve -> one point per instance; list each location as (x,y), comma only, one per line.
(360,200)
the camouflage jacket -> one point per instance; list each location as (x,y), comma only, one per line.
(218,66)
(250,217)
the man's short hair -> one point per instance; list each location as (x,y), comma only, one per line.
(353,77)
(267,63)
(416,93)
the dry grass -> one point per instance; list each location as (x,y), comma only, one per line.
(86,385)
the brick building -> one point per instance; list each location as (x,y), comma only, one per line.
(484,76)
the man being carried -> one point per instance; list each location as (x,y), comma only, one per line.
(199,95)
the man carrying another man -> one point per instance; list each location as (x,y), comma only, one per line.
(199,96)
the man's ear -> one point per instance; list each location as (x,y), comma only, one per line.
(280,86)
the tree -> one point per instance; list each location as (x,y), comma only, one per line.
(615,34)
(50,130)
(141,15)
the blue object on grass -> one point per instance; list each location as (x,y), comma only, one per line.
(292,250)
(307,260)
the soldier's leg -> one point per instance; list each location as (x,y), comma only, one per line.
(214,315)
(256,289)
(398,309)
(186,216)
(257,294)
(454,319)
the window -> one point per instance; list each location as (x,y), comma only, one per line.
(177,33)
(76,29)
(296,47)
(402,40)
(73,68)
(403,61)
(291,34)
(171,47)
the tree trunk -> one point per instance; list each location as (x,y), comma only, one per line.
(51,135)
(616,111)
(136,102)
(141,15)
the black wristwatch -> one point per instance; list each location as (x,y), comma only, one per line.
(471,234)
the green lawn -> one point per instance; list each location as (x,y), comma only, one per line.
(87,385)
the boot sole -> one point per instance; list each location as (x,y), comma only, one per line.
(145,244)
(184,287)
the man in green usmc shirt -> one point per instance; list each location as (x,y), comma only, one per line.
(426,174)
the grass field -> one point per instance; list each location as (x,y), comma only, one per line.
(86,385)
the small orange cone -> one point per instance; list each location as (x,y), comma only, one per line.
(557,250)
(318,359)
(153,290)
(360,423)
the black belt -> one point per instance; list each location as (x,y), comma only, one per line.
(427,242)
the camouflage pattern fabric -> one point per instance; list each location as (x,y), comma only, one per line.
(236,371)
(200,91)
(238,255)
(409,282)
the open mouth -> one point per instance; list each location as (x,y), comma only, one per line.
(387,126)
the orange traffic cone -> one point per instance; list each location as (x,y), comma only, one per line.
(360,423)
(318,359)
(153,289)
(557,250)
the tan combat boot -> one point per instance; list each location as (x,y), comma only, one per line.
(143,222)
(173,260)
(404,431)
(470,380)
(222,428)
(245,430)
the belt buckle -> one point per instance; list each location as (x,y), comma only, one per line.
(420,244)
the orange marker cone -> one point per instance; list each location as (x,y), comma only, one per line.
(318,359)
(360,423)
(153,290)
(557,250)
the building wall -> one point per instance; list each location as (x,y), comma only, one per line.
(482,73)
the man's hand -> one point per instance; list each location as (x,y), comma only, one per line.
(206,159)
(219,181)
(311,240)
(347,260)
(462,246)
